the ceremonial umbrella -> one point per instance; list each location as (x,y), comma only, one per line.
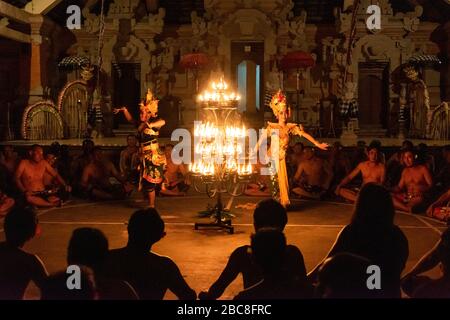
(74,62)
(194,61)
(297,60)
(425,60)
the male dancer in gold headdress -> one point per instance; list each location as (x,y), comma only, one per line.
(152,158)
(279,133)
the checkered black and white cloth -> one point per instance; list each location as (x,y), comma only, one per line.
(348,109)
(73,61)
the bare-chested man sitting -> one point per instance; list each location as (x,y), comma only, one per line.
(415,181)
(176,179)
(95,179)
(29,178)
(313,176)
(371,170)
(128,165)
(9,159)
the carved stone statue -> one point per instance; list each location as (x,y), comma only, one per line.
(418,102)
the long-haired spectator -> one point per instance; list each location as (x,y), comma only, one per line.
(55,286)
(373,235)
(269,253)
(344,276)
(89,247)
(18,268)
(268,214)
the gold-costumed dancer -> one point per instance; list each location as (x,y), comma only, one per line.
(153,160)
(280,132)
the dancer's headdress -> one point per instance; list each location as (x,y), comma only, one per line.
(278,103)
(150,104)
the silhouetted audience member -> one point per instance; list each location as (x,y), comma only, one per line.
(55,286)
(344,276)
(149,273)
(269,253)
(17,267)
(268,214)
(89,247)
(373,235)
(419,286)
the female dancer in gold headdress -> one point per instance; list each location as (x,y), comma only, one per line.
(279,133)
(153,160)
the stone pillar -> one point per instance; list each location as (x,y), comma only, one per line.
(40,49)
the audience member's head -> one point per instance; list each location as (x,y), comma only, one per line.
(361,144)
(373,152)
(374,208)
(308,152)
(131,140)
(337,147)
(55,148)
(51,159)
(298,148)
(375,144)
(168,148)
(422,153)
(8,151)
(268,249)
(97,154)
(145,228)
(36,153)
(408,157)
(88,247)
(87,146)
(407,145)
(269,213)
(343,276)
(56,286)
(20,226)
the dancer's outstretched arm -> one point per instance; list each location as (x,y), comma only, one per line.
(126,113)
(298,130)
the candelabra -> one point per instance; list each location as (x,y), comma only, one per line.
(220,162)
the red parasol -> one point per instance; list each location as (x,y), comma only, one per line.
(297,60)
(194,60)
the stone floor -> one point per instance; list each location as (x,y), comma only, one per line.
(201,255)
